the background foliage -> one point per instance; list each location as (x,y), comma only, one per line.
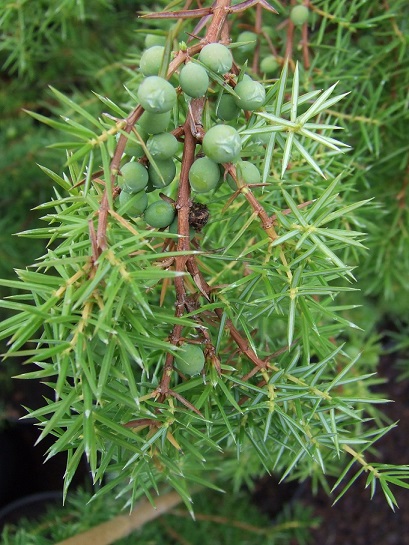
(235,520)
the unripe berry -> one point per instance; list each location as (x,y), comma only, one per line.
(227,108)
(190,360)
(156,95)
(134,204)
(299,15)
(162,146)
(246,173)
(173,228)
(217,57)
(167,169)
(269,64)
(151,60)
(155,123)
(134,177)
(247,36)
(204,175)
(154,39)
(366,42)
(222,144)
(194,80)
(159,214)
(262,138)
(269,30)
(134,149)
(251,94)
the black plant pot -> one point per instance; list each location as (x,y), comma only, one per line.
(29,507)
(22,469)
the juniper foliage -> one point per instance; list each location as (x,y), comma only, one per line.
(267,288)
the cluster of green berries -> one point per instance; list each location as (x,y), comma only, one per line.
(221,143)
(248,40)
(151,149)
(136,180)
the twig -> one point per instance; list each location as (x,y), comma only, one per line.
(266,221)
(289,43)
(304,42)
(182,206)
(235,334)
(256,57)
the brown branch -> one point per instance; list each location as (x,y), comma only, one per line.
(289,43)
(235,334)
(182,14)
(256,57)
(288,211)
(114,168)
(290,38)
(304,43)
(185,402)
(183,204)
(304,40)
(141,422)
(93,238)
(246,4)
(220,12)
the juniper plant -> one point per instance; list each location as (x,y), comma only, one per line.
(192,332)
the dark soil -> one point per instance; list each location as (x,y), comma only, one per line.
(22,469)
